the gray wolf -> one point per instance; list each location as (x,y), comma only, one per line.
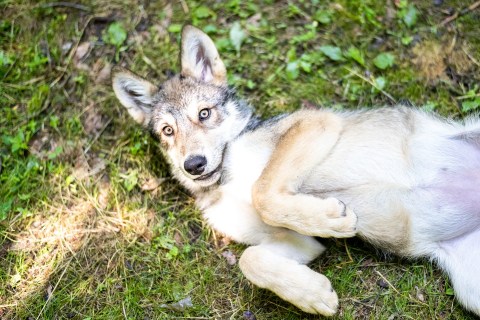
(402,179)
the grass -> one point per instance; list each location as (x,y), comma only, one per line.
(91,224)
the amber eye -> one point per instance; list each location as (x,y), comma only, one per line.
(204,114)
(167,130)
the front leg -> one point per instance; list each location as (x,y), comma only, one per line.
(311,136)
(277,265)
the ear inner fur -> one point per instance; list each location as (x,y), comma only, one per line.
(200,58)
(134,93)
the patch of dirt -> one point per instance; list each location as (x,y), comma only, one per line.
(430,60)
(86,166)
(446,60)
(42,144)
(93,121)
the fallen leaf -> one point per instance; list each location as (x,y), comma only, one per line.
(49,291)
(419,295)
(237,35)
(104,73)
(81,51)
(254,21)
(178,239)
(179,306)
(93,121)
(382,284)
(307,104)
(151,184)
(230,257)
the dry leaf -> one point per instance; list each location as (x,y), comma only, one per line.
(230,257)
(179,306)
(93,122)
(81,51)
(151,184)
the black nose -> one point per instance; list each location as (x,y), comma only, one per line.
(195,165)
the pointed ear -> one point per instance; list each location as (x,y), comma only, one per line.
(134,93)
(200,58)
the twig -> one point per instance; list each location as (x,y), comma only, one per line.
(373,84)
(359,302)
(388,282)
(124,311)
(184,6)
(460,13)
(66,4)
(348,251)
(475,61)
(468,96)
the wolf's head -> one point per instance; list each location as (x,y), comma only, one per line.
(194,114)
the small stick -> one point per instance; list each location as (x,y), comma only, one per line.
(460,13)
(184,6)
(372,84)
(348,251)
(388,282)
(66,4)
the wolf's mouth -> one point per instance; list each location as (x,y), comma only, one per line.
(208,175)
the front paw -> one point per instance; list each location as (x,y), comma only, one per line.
(325,218)
(341,221)
(309,291)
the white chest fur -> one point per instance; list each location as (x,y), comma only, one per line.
(234,214)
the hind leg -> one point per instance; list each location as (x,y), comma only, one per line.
(278,265)
(460,258)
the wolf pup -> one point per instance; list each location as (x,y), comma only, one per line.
(411,179)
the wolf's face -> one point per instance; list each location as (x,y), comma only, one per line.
(194,115)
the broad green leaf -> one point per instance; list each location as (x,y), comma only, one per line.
(4,59)
(356,55)
(130,180)
(291,54)
(116,34)
(306,66)
(384,60)
(430,106)
(211,28)
(175,28)
(237,35)
(323,16)
(470,105)
(332,52)
(292,70)
(5,209)
(202,12)
(407,40)
(380,82)
(410,17)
